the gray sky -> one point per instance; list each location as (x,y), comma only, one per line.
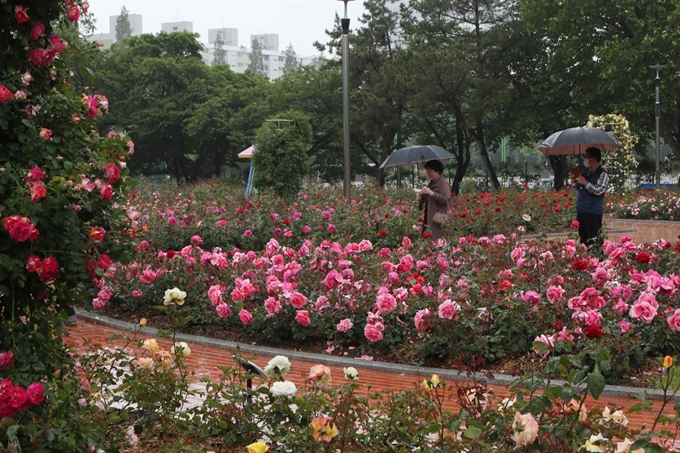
(300,22)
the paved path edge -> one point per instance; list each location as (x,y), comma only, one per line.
(392,368)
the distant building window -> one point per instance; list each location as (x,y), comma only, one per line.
(280,58)
(174,28)
(266,67)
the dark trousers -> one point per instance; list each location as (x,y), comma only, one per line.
(589,226)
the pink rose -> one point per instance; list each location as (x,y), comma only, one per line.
(373,332)
(525,429)
(554,293)
(223,311)
(248,233)
(302,317)
(273,306)
(345,325)
(422,319)
(643,311)
(674,320)
(297,300)
(449,310)
(386,303)
(215,294)
(245,317)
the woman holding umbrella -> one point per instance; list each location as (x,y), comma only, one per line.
(436,197)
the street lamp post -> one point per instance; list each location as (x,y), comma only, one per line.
(345,103)
(657,113)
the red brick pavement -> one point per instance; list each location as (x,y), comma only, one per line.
(205,360)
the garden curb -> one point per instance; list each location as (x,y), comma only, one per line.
(390,368)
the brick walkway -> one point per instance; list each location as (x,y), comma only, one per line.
(206,355)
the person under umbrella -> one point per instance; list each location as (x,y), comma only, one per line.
(592,184)
(436,197)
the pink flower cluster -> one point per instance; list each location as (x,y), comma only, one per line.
(47,269)
(20,229)
(15,399)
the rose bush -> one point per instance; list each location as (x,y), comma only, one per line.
(60,228)
(471,300)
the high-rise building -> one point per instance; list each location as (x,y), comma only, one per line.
(170,27)
(269,41)
(229,36)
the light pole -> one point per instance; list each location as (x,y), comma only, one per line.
(345,103)
(657,113)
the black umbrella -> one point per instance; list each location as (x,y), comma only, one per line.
(576,140)
(415,155)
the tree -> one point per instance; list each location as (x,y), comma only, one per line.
(291,63)
(219,54)
(256,60)
(154,86)
(314,91)
(123,27)
(601,62)
(280,162)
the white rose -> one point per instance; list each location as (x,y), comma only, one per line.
(351,373)
(285,388)
(181,349)
(278,366)
(174,296)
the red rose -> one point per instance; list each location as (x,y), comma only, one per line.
(33,263)
(20,229)
(104,261)
(37,31)
(56,45)
(382,233)
(38,191)
(73,13)
(40,57)
(49,270)
(6,359)
(5,94)
(16,397)
(643,257)
(20,15)
(558,325)
(111,173)
(593,331)
(170,254)
(34,393)
(580,265)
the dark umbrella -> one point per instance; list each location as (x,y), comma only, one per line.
(415,155)
(576,140)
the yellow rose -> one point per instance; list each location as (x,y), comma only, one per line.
(151,345)
(667,361)
(258,447)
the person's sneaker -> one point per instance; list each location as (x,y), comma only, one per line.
(71,321)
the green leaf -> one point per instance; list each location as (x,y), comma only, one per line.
(596,384)
(472,432)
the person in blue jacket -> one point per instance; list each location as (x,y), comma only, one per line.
(591,184)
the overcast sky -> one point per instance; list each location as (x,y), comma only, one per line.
(297,22)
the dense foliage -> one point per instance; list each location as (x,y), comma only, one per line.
(60,230)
